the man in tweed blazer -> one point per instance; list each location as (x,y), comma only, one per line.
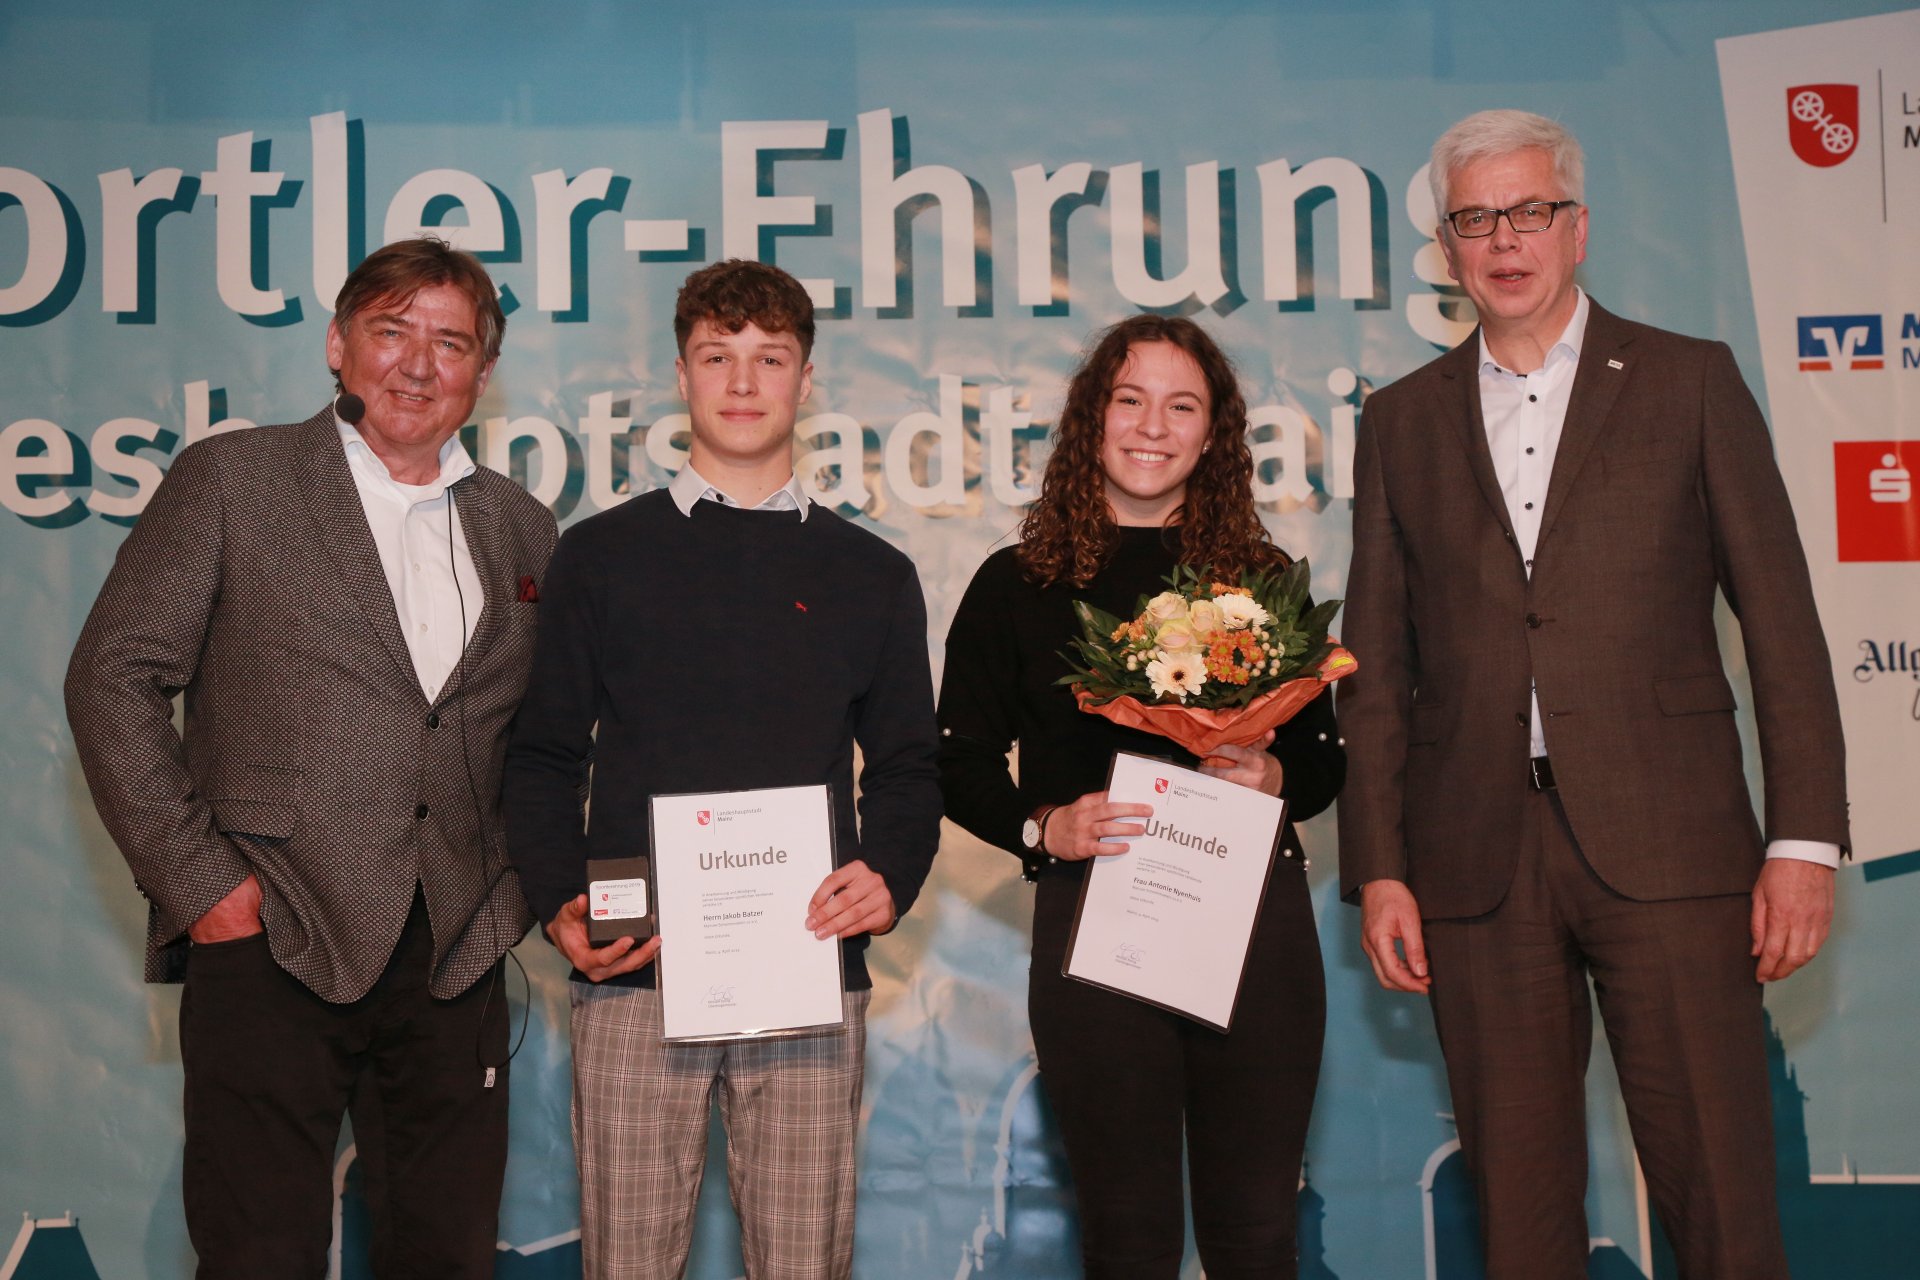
(1545,780)
(348,610)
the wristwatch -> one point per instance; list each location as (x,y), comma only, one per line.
(1033,832)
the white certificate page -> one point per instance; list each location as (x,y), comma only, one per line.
(1169,921)
(733,872)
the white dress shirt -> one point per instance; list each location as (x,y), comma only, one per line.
(1524,414)
(688,487)
(423,551)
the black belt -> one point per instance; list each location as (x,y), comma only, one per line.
(1540,773)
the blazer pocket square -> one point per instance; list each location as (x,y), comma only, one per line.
(529,590)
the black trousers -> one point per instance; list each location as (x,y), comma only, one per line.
(1683,1018)
(1129,1081)
(271,1069)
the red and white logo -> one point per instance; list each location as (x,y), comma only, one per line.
(1160,785)
(1878,518)
(703,816)
(1823,122)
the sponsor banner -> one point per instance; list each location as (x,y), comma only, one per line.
(1875,514)
(971,188)
(1824,123)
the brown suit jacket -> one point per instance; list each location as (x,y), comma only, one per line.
(310,758)
(1664,488)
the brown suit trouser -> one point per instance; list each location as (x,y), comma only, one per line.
(1683,1017)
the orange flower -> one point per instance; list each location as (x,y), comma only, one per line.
(1230,657)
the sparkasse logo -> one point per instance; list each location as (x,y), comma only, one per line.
(1877,518)
(1841,342)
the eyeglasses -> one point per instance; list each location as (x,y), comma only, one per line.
(1537,215)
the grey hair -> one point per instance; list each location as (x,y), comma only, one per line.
(1486,134)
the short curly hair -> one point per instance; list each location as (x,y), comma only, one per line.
(737,292)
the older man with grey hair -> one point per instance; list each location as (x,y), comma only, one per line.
(347,605)
(1545,782)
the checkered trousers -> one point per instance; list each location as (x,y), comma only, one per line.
(791,1107)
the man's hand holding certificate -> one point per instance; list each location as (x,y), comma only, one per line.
(1169,920)
(737,873)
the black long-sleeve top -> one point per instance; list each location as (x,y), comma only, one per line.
(1004,652)
(719,651)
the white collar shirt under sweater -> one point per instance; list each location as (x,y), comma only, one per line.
(688,487)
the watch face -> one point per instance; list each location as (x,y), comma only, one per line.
(1030,833)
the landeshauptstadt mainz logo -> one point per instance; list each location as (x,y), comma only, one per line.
(1823,122)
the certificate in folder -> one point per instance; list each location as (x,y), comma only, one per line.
(1169,921)
(734,872)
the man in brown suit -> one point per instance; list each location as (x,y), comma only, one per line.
(1545,781)
(347,606)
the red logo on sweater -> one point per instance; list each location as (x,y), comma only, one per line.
(802,608)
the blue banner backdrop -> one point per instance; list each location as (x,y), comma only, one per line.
(969,189)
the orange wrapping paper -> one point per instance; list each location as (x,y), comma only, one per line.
(1202,730)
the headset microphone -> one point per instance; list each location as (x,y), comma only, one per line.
(350,408)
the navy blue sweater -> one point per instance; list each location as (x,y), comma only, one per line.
(720,651)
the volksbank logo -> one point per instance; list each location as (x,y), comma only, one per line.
(1842,342)
(1856,342)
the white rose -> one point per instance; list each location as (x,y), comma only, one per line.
(1167,606)
(1175,637)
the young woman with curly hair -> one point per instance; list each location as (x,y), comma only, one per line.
(1150,469)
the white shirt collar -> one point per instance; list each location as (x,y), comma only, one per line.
(456,464)
(1570,338)
(688,487)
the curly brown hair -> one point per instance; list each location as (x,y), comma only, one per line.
(1069,532)
(737,292)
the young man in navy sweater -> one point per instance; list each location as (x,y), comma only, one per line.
(721,634)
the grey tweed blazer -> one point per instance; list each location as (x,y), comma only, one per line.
(310,756)
(1664,491)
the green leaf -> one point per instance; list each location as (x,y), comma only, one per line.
(1317,619)
(1098,624)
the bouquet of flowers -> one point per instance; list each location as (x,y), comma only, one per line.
(1208,663)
